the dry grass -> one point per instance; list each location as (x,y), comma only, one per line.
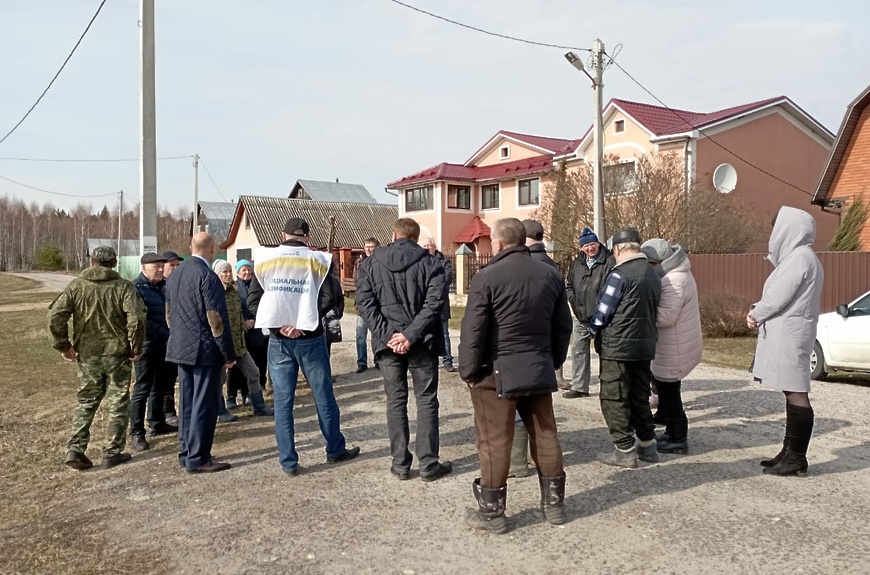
(46,525)
(736,352)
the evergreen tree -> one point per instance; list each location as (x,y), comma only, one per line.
(49,258)
(848,236)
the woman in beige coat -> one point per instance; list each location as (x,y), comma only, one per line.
(678,349)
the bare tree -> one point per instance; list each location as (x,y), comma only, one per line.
(649,194)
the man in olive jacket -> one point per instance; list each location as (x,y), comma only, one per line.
(515,334)
(108,334)
(624,328)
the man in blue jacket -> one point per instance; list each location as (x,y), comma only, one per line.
(149,386)
(201,343)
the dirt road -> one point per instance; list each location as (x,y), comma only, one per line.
(711,511)
(50,282)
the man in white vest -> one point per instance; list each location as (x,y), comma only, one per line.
(295,297)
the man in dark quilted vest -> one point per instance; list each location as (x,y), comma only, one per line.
(624,328)
(201,343)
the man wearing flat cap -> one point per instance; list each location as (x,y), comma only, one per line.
(108,333)
(295,298)
(149,389)
(585,278)
(624,328)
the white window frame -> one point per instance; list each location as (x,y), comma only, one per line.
(470,207)
(498,195)
(504,152)
(529,205)
(619,162)
(430,187)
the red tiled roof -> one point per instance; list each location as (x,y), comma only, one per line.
(458,172)
(662,121)
(475,229)
(555,145)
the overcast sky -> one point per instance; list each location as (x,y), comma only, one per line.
(367,91)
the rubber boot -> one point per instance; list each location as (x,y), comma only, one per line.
(520,453)
(489,515)
(799,429)
(231,403)
(224,416)
(259,404)
(553,498)
(674,440)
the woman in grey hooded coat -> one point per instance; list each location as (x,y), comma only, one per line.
(787,316)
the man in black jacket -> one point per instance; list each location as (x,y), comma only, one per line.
(149,386)
(585,278)
(447,358)
(400,297)
(624,328)
(515,334)
(300,344)
(535,242)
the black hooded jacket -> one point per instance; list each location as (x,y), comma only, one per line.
(400,289)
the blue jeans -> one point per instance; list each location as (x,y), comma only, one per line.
(447,358)
(362,333)
(286,357)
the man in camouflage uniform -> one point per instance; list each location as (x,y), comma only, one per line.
(108,333)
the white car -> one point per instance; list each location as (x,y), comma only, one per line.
(843,339)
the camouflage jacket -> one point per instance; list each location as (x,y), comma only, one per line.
(237,318)
(108,315)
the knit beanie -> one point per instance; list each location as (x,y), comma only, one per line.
(219,265)
(242,263)
(587,236)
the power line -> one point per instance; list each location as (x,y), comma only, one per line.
(84,160)
(62,66)
(212,179)
(482,31)
(700,131)
(23,185)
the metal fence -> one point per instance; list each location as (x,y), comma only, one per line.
(847,275)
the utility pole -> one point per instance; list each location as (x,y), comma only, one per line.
(193,222)
(598,126)
(148,132)
(120,220)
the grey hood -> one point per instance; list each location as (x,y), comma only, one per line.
(677,259)
(793,228)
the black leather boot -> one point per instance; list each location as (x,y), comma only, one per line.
(778,457)
(489,515)
(799,430)
(553,498)
(674,440)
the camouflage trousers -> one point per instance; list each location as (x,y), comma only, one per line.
(624,396)
(99,377)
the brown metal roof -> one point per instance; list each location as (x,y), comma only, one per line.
(354,222)
(844,137)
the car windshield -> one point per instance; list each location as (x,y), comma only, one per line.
(861,307)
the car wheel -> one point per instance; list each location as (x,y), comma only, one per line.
(818,369)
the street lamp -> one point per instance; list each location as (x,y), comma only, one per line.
(598,130)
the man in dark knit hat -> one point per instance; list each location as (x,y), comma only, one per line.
(585,278)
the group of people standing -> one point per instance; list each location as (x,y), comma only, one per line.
(637,301)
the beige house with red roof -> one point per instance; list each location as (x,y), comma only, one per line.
(771,152)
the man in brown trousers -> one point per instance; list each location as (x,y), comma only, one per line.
(515,333)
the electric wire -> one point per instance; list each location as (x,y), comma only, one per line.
(482,31)
(212,179)
(701,131)
(62,66)
(88,160)
(23,185)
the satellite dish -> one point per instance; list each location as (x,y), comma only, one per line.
(725,178)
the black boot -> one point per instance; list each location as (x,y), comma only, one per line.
(553,498)
(489,515)
(799,430)
(778,457)
(674,439)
